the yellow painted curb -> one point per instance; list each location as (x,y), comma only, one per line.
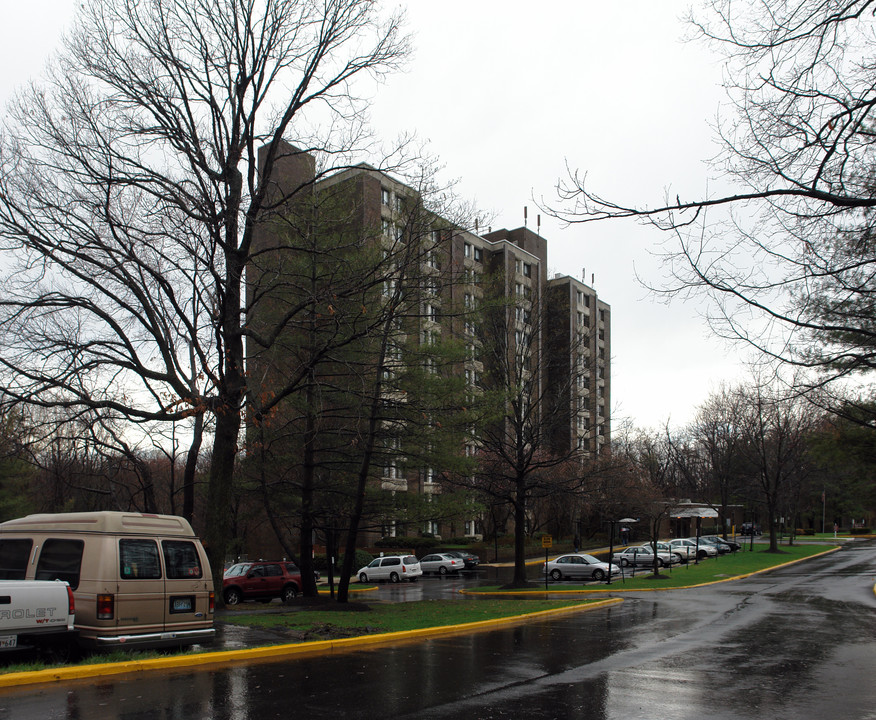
(275,651)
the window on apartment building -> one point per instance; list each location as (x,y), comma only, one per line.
(432,259)
(430,312)
(580,318)
(469,327)
(527,291)
(469,376)
(518,314)
(478,254)
(399,204)
(602,373)
(468,301)
(602,316)
(602,353)
(429,365)
(429,476)
(389,287)
(385,196)
(601,429)
(580,297)
(519,337)
(602,334)
(527,270)
(518,288)
(466,249)
(387,227)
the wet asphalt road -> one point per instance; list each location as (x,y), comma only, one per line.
(799,642)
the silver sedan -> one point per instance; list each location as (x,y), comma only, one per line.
(579,566)
(643,557)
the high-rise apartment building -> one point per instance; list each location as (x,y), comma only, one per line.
(489,291)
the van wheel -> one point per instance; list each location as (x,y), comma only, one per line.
(363,578)
(290,592)
(233,596)
(393,578)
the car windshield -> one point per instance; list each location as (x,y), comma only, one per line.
(236,570)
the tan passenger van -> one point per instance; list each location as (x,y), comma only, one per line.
(138,579)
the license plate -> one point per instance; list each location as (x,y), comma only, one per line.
(182,604)
(8,641)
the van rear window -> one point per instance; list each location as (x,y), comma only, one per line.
(181,559)
(14,555)
(60,559)
(138,560)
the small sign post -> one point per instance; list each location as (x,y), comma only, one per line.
(547,542)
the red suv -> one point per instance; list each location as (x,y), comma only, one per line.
(261,581)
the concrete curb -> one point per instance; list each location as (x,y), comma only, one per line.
(276,652)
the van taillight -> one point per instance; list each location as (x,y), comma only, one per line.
(71,605)
(105,607)
(212,602)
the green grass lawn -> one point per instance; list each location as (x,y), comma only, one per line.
(711,570)
(380,617)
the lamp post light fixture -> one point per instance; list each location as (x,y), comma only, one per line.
(612,523)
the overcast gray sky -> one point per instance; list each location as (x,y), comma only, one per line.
(508,92)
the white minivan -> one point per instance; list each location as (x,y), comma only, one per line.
(394,568)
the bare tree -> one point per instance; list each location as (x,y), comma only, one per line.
(788,259)
(519,459)
(129,198)
(776,432)
(717,440)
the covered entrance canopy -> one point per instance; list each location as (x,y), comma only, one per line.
(684,518)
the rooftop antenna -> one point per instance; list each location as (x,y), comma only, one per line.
(538,224)
(584,274)
(525,210)
(476,226)
(592,279)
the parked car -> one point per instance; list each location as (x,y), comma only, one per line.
(36,614)
(642,556)
(685,547)
(261,581)
(719,545)
(734,546)
(705,550)
(441,564)
(394,568)
(681,555)
(578,565)
(470,559)
(748,528)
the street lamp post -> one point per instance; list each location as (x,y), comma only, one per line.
(611,524)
